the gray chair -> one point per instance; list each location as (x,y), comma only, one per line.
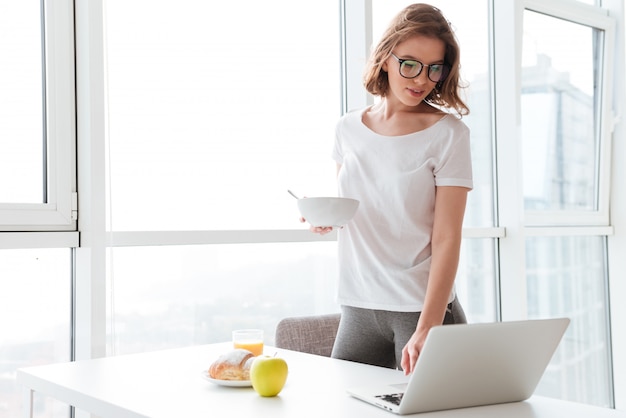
(308,334)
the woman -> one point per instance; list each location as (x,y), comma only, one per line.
(407,160)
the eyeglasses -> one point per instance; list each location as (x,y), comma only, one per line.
(413,68)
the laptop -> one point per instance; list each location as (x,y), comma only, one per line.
(468,365)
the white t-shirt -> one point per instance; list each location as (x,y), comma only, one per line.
(384,251)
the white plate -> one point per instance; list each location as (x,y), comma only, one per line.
(230,383)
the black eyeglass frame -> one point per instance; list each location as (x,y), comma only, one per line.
(444,72)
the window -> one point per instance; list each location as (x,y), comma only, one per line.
(564,102)
(211,121)
(37,125)
(37,171)
(199,294)
(21,82)
(36,311)
(563,136)
(566,277)
(162,85)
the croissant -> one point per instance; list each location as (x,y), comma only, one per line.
(234,365)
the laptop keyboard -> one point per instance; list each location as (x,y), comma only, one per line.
(394,398)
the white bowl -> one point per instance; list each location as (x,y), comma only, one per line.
(327,211)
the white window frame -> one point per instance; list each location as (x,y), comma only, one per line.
(59,213)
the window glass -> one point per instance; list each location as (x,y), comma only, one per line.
(21,104)
(36,309)
(475,281)
(559,96)
(199,294)
(566,277)
(469,20)
(217,108)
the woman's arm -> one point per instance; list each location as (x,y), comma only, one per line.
(445,244)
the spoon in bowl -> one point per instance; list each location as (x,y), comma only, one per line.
(291,193)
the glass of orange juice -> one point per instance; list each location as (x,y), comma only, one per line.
(249,339)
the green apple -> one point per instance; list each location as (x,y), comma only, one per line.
(268,375)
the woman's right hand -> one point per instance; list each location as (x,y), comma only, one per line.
(322,230)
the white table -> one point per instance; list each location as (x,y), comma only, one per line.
(169,384)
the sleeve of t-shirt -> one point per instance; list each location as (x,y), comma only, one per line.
(454,168)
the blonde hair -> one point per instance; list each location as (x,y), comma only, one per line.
(425,20)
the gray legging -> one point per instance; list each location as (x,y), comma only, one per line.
(377,337)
